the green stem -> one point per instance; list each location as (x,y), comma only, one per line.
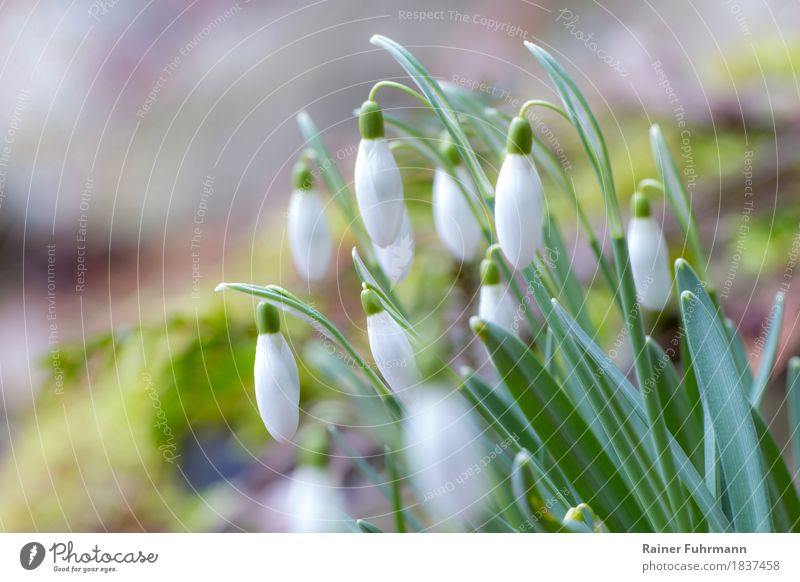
(397,500)
(542,103)
(373,94)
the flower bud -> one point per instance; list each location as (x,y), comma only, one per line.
(277,381)
(649,257)
(495,305)
(444,458)
(309,236)
(518,199)
(379,187)
(456,224)
(390,346)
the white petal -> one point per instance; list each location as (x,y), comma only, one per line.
(313,502)
(518,210)
(497,307)
(379,191)
(649,263)
(444,456)
(396,259)
(309,237)
(456,225)
(392,352)
(277,386)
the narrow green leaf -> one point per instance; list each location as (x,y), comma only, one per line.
(543,507)
(740,355)
(722,392)
(368,527)
(793,397)
(782,492)
(441,106)
(769,352)
(394,482)
(678,196)
(588,129)
(564,432)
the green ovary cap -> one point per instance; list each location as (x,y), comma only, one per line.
(640,205)
(302,179)
(267,318)
(490,274)
(370,120)
(449,149)
(371,302)
(520,137)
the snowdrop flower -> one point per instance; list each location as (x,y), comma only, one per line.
(276,378)
(395,260)
(495,305)
(313,502)
(443,456)
(379,187)
(309,237)
(389,345)
(455,223)
(518,198)
(649,258)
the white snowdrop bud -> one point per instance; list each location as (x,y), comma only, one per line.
(379,187)
(444,457)
(390,346)
(313,502)
(456,224)
(276,378)
(309,236)
(649,257)
(495,305)
(395,260)
(518,199)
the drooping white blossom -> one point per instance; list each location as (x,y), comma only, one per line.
(309,236)
(390,346)
(379,187)
(649,257)
(495,303)
(443,454)
(277,381)
(396,259)
(455,222)
(313,502)
(519,199)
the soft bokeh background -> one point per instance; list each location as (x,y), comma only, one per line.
(145,157)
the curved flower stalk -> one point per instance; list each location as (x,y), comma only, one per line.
(313,502)
(379,187)
(442,447)
(390,346)
(309,235)
(455,222)
(396,259)
(495,304)
(276,377)
(518,198)
(649,257)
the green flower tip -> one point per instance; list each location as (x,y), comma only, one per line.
(302,179)
(640,205)
(490,274)
(574,514)
(449,149)
(370,120)
(371,302)
(478,326)
(794,363)
(267,318)
(520,137)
